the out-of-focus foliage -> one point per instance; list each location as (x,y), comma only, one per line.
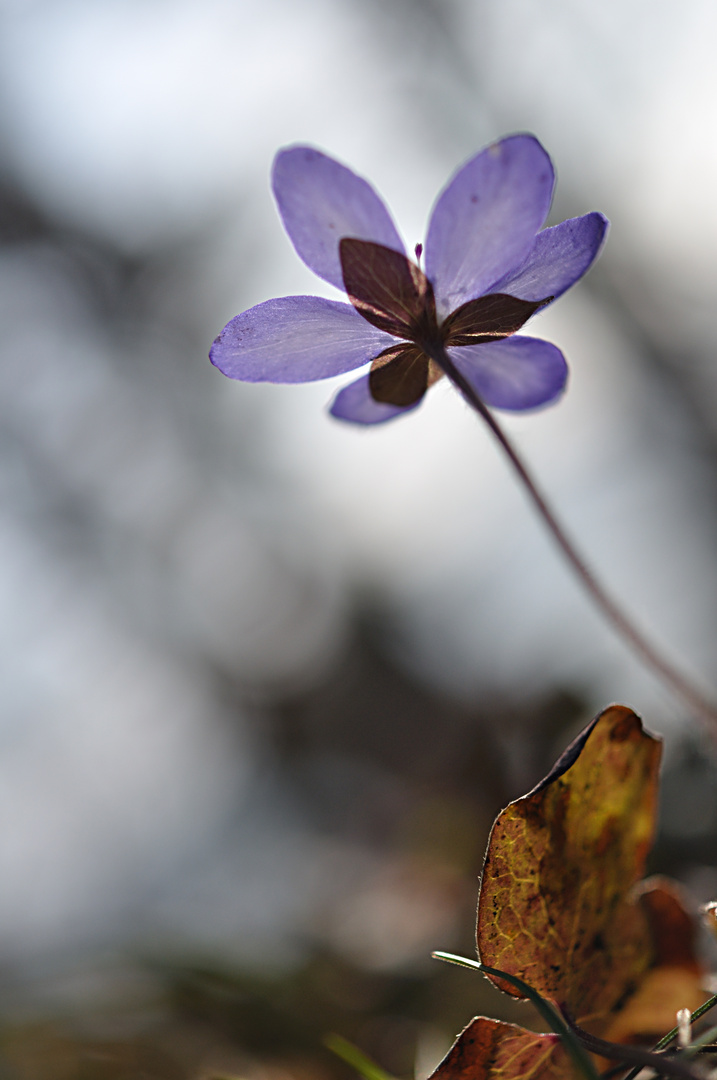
(266,682)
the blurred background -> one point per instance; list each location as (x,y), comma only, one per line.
(267,679)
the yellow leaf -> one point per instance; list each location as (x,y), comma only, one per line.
(560,908)
(554,905)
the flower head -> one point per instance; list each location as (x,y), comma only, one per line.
(488,266)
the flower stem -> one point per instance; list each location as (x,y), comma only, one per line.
(614,614)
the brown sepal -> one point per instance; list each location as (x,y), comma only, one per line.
(389,290)
(401,375)
(489,318)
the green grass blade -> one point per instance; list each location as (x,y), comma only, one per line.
(580,1057)
(351,1054)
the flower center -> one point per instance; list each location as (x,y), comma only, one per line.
(394,295)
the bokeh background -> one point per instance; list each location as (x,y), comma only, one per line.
(266,678)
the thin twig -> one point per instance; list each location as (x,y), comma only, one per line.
(662,1063)
(672,1035)
(614,614)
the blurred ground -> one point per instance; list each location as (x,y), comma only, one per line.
(265,679)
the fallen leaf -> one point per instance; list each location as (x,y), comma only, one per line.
(561,864)
(492,1048)
(560,908)
(675,979)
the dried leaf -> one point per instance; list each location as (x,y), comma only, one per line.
(709,917)
(492,1048)
(672,925)
(561,864)
(675,980)
(560,908)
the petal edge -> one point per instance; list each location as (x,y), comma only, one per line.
(517,374)
(559,257)
(321,202)
(355,405)
(485,220)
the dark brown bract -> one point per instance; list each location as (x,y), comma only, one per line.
(394,295)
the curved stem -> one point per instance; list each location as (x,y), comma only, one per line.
(547,1010)
(631,1055)
(614,614)
(672,1035)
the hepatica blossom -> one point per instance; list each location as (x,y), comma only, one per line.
(488,265)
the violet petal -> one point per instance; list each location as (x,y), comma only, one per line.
(296,339)
(355,404)
(484,222)
(560,256)
(517,373)
(320,202)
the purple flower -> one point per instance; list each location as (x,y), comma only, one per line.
(489,265)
